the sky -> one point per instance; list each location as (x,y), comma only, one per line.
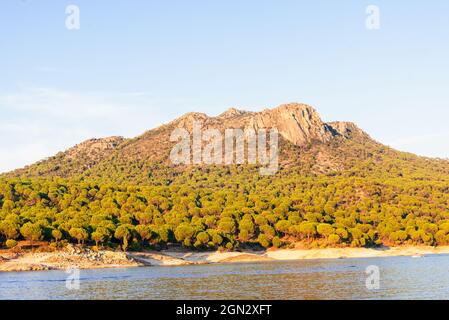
(133,65)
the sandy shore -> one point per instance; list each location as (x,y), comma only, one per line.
(89,259)
(168,257)
(340,253)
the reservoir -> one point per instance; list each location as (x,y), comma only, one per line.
(399,278)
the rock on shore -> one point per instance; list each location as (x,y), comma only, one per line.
(70,257)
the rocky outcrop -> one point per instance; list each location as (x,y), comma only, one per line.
(94,147)
(347,129)
(231,113)
(186,121)
(70,257)
(297,123)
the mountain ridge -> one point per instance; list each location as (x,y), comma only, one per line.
(297,123)
(306,142)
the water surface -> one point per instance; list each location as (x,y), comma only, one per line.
(400,278)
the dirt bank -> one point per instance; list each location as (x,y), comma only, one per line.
(72,257)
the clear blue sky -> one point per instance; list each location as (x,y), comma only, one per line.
(136,64)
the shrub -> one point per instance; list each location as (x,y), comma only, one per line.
(334,238)
(276,242)
(11,243)
(263,240)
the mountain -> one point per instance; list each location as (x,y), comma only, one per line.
(307,145)
(303,135)
(335,186)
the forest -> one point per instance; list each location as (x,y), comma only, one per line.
(233,207)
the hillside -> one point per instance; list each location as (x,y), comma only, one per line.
(307,144)
(335,187)
(133,160)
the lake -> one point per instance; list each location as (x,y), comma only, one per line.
(399,278)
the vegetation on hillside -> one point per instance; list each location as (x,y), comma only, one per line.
(345,190)
(400,202)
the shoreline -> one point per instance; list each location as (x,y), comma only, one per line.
(88,259)
(170,257)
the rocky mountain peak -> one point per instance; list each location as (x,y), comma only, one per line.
(187,120)
(298,123)
(232,112)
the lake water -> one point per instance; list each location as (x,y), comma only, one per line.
(400,278)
